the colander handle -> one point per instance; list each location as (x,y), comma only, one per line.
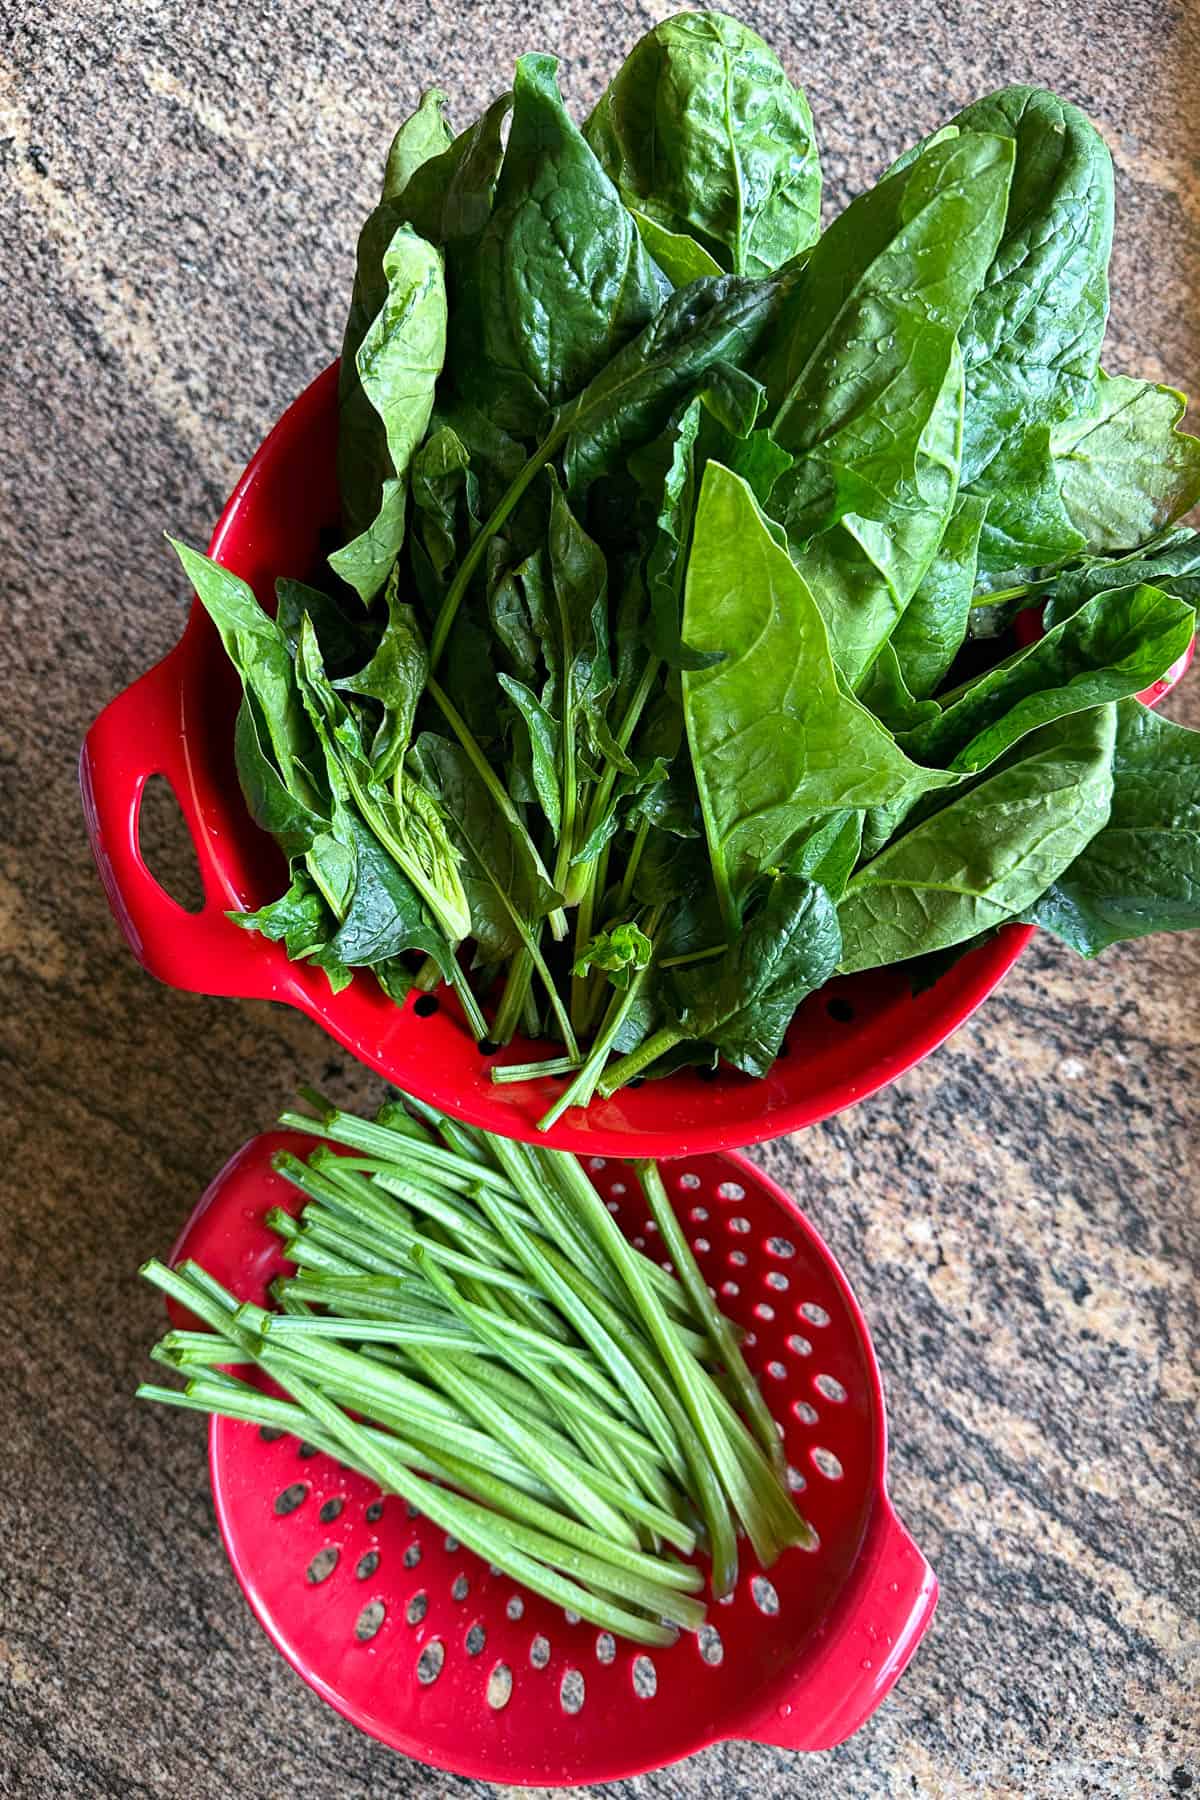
(865,1649)
(139,734)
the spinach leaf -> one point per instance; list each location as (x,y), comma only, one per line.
(1112,648)
(868,383)
(343,641)
(385,916)
(383,414)
(443,487)
(632,398)
(704,135)
(292,819)
(1171,563)
(299,919)
(1031,340)
(866,335)
(561,278)
(828,851)
(504,890)
(1141,872)
(679,256)
(930,631)
(989,853)
(1125,471)
(259,652)
(745,1000)
(775,738)
(544,747)
(403,818)
(620,952)
(448,197)
(394,678)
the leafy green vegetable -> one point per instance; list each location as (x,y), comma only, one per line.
(715,528)
(1141,872)
(1031,340)
(563,277)
(705,137)
(775,738)
(397,365)
(1112,648)
(1124,470)
(988,854)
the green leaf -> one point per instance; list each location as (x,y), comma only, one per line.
(1031,341)
(403,818)
(342,640)
(1112,648)
(448,198)
(620,952)
(395,678)
(368,559)
(259,652)
(543,736)
(561,278)
(385,916)
(679,256)
(1141,873)
(422,136)
(299,919)
(292,821)
(498,875)
(745,1000)
(828,852)
(866,336)
(632,399)
(442,487)
(704,134)
(932,627)
(864,572)
(1126,472)
(989,853)
(775,738)
(382,416)
(1171,564)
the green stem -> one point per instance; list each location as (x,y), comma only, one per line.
(533,1071)
(476,1023)
(604,787)
(631,866)
(453,597)
(584,1085)
(707,1313)
(512,1001)
(583,986)
(647,1052)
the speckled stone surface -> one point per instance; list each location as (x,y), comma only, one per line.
(179,190)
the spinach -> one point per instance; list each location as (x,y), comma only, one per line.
(1031,339)
(775,737)
(699,533)
(384,413)
(987,854)
(868,384)
(1141,872)
(561,275)
(1124,470)
(1170,563)
(1112,648)
(707,139)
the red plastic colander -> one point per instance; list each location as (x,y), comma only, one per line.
(177,721)
(418,1642)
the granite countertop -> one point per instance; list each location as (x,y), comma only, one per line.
(180,190)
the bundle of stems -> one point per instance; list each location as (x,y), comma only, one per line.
(467,1325)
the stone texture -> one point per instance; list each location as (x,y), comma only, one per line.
(181,186)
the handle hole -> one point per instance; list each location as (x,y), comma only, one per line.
(166,847)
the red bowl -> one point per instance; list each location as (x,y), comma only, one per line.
(854,1036)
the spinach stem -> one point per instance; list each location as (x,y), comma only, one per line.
(604,787)
(533,1071)
(647,1052)
(631,866)
(453,597)
(584,1085)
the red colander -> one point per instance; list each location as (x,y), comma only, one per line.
(177,721)
(420,1644)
